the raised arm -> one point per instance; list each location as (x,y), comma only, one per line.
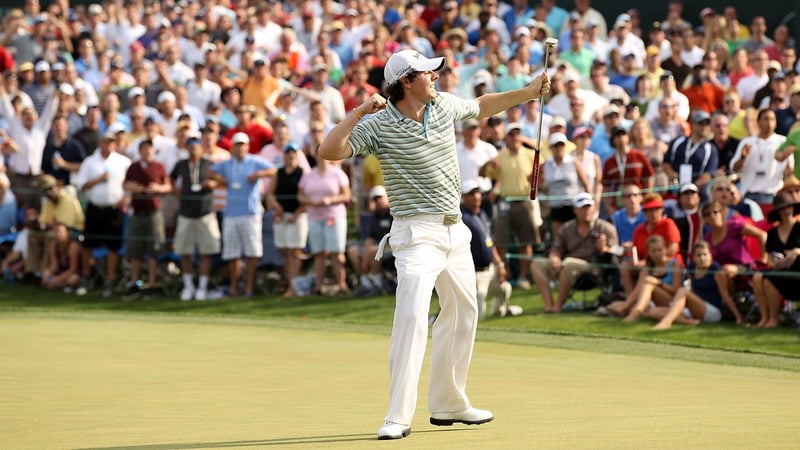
(335,146)
(491,104)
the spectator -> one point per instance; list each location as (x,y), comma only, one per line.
(781,280)
(701,300)
(669,91)
(686,214)
(28,133)
(744,206)
(324,191)
(747,86)
(624,40)
(241,228)
(642,139)
(589,160)
(755,160)
(473,153)
(658,281)
(693,159)
(258,134)
(627,166)
(601,140)
(260,88)
(289,215)
(787,117)
(725,144)
(62,154)
(64,254)
(89,135)
(13,265)
(100,179)
(563,178)
(197,228)
(43,87)
(758,36)
(514,217)
(702,93)
(667,126)
(629,217)
(580,244)
(370,271)
(490,271)
(674,65)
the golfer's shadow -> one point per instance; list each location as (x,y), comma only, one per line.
(300,440)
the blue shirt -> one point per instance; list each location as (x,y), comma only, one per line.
(481,244)
(624,226)
(244,197)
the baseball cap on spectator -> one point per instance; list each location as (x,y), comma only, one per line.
(513,126)
(656,26)
(308,13)
(318,67)
(26,66)
(249,39)
(135,46)
(481,78)
(66,89)
(209,47)
(377,191)
(164,22)
(450,5)
(115,128)
(404,62)
(240,138)
(117,63)
(622,20)
(260,62)
(211,118)
(575,16)
(42,66)
(72,17)
(352,12)
(454,32)
(706,12)
(591,23)
(666,75)
(40,18)
(558,121)
(337,25)
(653,203)
(688,187)
(569,76)
(774,65)
(582,199)
(470,186)
(194,138)
(134,91)
(610,109)
(581,131)
(57,66)
(616,131)
(95,9)
(652,50)
(557,138)
(471,123)
(165,96)
(46,182)
(522,31)
(700,116)
(291,147)
(795,90)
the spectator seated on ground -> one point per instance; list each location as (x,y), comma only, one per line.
(64,255)
(13,265)
(580,246)
(8,205)
(370,272)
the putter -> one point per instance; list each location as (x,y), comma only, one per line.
(548,44)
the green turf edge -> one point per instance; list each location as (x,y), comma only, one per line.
(539,338)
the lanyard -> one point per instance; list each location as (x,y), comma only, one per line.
(621,163)
(691,150)
(194,172)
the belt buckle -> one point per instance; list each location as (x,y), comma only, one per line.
(450,219)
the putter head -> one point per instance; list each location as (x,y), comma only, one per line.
(551,42)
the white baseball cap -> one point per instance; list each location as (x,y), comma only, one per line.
(377,191)
(66,89)
(557,138)
(406,61)
(240,138)
(469,186)
(41,66)
(582,199)
(166,96)
(134,91)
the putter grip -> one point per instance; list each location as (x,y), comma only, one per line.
(535,175)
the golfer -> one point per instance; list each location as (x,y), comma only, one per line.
(412,135)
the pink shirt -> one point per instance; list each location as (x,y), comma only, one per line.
(317,185)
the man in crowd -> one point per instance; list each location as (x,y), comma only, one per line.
(370,272)
(693,159)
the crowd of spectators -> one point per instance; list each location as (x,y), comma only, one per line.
(164,119)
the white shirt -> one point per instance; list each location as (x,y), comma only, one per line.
(169,124)
(202,94)
(631,44)
(680,99)
(110,192)
(592,102)
(748,86)
(693,57)
(760,171)
(470,160)
(31,142)
(180,73)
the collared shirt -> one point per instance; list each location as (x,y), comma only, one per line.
(107,193)
(66,210)
(702,156)
(195,201)
(470,161)
(760,171)
(482,244)
(419,160)
(570,244)
(144,173)
(513,171)
(244,197)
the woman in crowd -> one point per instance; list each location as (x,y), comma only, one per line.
(563,178)
(63,270)
(291,221)
(642,139)
(741,122)
(590,161)
(324,191)
(726,239)
(658,282)
(783,246)
(701,301)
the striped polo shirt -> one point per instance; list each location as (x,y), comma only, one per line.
(419,162)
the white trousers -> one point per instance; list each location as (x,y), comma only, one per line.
(428,255)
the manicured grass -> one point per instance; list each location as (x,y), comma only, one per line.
(375,314)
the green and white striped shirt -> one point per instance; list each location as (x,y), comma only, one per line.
(419,163)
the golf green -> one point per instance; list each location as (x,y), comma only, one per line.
(167,382)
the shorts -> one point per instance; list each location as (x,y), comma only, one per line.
(199,234)
(712,315)
(291,235)
(104,225)
(516,222)
(145,235)
(573,267)
(561,213)
(327,235)
(241,235)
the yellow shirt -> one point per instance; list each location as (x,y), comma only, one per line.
(66,210)
(373,175)
(737,128)
(513,172)
(256,93)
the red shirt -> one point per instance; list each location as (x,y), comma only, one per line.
(144,174)
(259,137)
(637,168)
(665,228)
(707,97)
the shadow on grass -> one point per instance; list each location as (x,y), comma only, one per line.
(302,440)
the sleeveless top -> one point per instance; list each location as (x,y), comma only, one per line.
(562,180)
(666,277)
(589,168)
